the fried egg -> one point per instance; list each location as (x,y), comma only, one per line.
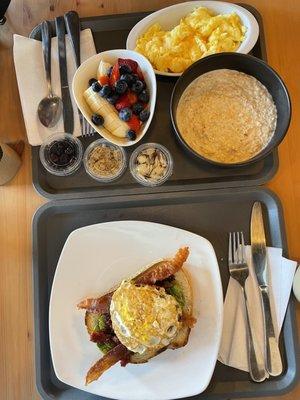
(199,34)
(144,317)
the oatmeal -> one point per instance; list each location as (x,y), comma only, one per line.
(104,161)
(226,116)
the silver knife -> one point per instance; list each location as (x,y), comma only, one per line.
(68,115)
(259,258)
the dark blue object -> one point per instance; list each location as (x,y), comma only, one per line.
(137,86)
(131,134)
(97,119)
(125,114)
(137,108)
(121,86)
(144,96)
(105,91)
(144,115)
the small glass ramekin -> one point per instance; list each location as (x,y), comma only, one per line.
(110,178)
(148,182)
(61,170)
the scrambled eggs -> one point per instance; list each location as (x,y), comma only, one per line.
(199,34)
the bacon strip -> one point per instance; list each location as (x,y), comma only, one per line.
(99,305)
(163,269)
(108,360)
(157,272)
(100,336)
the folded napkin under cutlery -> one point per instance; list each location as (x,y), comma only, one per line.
(30,71)
(233,347)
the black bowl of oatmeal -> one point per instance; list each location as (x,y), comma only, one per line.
(230,109)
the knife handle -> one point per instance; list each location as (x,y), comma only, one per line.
(60,32)
(256,364)
(272,353)
(46,46)
(73,29)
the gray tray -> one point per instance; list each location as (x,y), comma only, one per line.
(110,32)
(211,214)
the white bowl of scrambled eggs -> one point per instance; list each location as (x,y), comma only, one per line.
(175,37)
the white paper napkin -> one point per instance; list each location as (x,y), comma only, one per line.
(233,348)
(29,66)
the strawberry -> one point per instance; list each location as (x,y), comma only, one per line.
(130,63)
(115,74)
(132,98)
(140,74)
(126,100)
(103,80)
(123,102)
(134,123)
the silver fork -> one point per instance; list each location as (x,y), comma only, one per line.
(86,128)
(239,271)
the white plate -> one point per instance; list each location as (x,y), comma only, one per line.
(97,257)
(170,16)
(88,70)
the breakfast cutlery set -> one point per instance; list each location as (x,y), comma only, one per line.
(52,107)
(269,363)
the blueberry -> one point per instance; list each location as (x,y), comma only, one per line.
(109,71)
(69,150)
(113,98)
(64,159)
(144,96)
(137,108)
(137,86)
(125,114)
(57,148)
(121,86)
(96,86)
(131,134)
(91,81)
(125,69)
(144,115)
(54,158)
(127,78)
(97,119)
(105,91)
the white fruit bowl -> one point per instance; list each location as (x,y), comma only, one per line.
(88,70)
(169,17)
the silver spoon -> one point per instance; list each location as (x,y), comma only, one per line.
(50,107)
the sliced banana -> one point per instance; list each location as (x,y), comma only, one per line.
(103,68)
(112,122)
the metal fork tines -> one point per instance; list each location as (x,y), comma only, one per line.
(86,128)
(239,271)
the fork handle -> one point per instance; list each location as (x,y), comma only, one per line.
(256,364)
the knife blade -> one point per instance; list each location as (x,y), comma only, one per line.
(68,115)
(259,258)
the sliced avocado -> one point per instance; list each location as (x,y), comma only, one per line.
(101,322)
(176,291)
(95,322)
(105,347)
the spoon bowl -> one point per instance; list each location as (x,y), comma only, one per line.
(50,110)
